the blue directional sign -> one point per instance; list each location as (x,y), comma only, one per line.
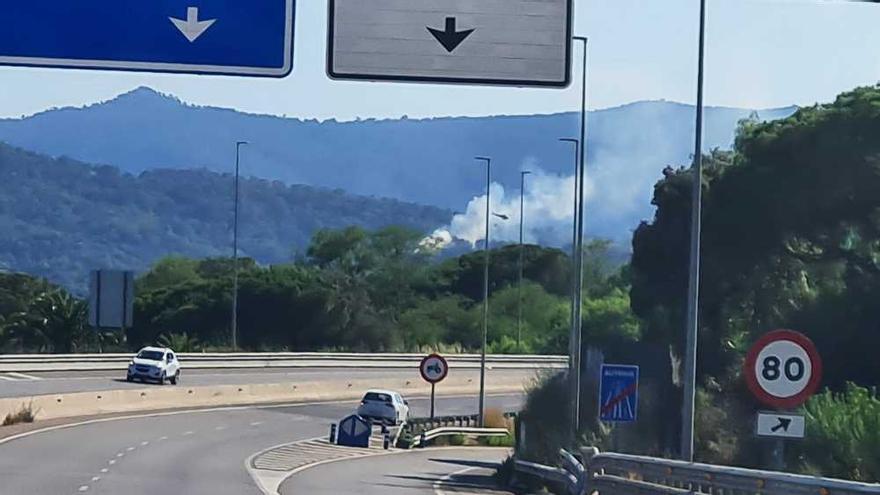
(619,393)
(354,431)
(232,37)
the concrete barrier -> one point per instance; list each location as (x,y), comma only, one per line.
(175,397)
(29,363)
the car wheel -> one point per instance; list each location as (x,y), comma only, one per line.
(175,378)
(129,379)
(162,379)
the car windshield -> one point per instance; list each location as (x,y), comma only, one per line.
(152,355)
(377,397)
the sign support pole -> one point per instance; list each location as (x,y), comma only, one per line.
(778,455)
(432,400)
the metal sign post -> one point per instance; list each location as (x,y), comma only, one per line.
(507,42)
(229,37)
(433,369)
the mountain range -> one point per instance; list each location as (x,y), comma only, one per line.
(429,162)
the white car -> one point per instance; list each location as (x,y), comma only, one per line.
(384,406)
(154,364)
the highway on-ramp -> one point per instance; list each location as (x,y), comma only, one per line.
(195,453)
(431,471)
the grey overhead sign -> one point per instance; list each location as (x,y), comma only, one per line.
(504,42)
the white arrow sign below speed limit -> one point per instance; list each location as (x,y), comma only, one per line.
(783,369)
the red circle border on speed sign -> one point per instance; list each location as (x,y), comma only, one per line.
(425,361)
(752,378)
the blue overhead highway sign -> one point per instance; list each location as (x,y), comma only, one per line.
(619,393)
(233,37)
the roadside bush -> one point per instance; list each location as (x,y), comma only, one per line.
(25,414)
(843,435)
(457,440)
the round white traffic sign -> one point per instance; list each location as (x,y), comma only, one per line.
(434,368)
(783,369)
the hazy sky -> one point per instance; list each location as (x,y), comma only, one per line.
(761,54)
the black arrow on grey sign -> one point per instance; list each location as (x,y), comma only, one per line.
(783,425)
(450,38)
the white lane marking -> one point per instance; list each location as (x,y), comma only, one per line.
(121,454)
(8,378)
(23,376)
(130,449)
(105,470)
(256,423)
(111,462)
(96,478)
(145,443)
(445,479)
(163,438)
(187,433)
(220,428)
(84,488)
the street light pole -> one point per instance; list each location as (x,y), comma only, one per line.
(522,195)
(579,270)
(238,146)
(690,373)
(572,337)
(488,162)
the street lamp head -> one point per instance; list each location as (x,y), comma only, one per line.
(483,158)
(569,140)
(526,172)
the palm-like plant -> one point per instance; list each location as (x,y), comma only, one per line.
(55,321)
(180,342)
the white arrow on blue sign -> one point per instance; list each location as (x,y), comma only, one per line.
(619,393)
(230,37)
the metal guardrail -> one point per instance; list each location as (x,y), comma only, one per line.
(621,474)
(707,478)
(426,436)
(86,362)
(549,475)
(415,426)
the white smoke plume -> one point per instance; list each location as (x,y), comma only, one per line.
(548,212)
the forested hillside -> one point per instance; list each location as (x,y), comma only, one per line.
(61,218)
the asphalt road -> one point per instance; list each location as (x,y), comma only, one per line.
(28,384)
(465,471)
(193,453)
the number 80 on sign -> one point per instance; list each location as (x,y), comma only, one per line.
(783,369)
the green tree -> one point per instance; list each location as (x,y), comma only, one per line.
(54,322)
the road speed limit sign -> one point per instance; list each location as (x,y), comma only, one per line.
(434,368)
(783,369)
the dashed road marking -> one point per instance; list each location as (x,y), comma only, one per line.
(187,433)
(163,438)
(220,428)
(84,488)
(96,478)
(120,454)
(256,423)
(145,443)
(105,470)
(130,449)
(23,376)
(111,462)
